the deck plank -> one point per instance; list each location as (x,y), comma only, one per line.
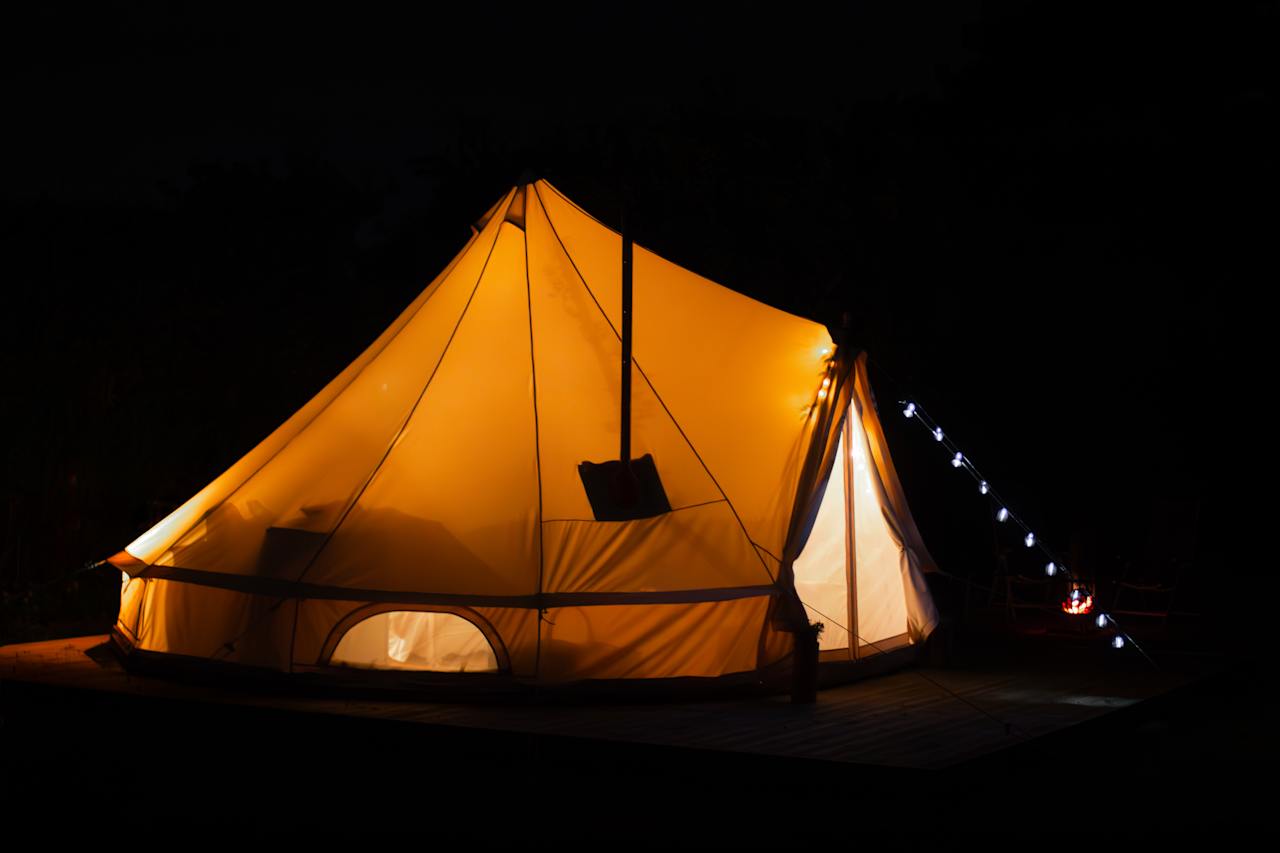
(920,718)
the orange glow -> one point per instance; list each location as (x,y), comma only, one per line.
(475,495)
(1078,603)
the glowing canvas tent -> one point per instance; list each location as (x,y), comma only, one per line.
(426,511)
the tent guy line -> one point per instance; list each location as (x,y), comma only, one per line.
(914,411)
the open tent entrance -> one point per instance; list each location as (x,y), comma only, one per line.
(855,575)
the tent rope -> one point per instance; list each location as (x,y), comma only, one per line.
(915,411)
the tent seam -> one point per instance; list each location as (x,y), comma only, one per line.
(391,446)
(441,278)
(412,409)
(648,382)
(537,440)
(273,588)
(673,509)
(767,551)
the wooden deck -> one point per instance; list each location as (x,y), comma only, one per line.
(919,718)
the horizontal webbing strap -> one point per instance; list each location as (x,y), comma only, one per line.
(283,588)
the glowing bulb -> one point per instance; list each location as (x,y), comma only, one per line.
(1002,515)
(822,395)
(1101,621)
(1051,569)
(825,353)
(1117,642)
(957,460)
(983,488)
(937,434)
(909,411)
(1030,539)
(826,382)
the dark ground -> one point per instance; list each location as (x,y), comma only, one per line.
(1050,224)
(1192,759)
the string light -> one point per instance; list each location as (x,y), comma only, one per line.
(1052,568)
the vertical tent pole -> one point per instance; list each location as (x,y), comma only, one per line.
(624,452)
(850,527)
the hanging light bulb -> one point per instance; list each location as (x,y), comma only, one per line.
(826,382)
(1002,515)
(983,488)
(1101,621)
(957,460)
(1029,539)
(1051,569)
(909,411)
(822,394)
(937,434)
(1117,642)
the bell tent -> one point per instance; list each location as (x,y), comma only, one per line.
(567,460)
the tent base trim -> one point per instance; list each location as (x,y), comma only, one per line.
(439,686)
(771,679)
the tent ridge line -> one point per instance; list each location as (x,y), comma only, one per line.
(395,439)
(572,204)
(285,589)
(374,357)
(647,381)
(651,251)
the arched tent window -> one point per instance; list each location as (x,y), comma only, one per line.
(419,640)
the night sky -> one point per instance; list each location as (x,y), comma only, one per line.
(1046,226)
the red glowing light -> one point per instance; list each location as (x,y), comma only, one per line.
(1078,603)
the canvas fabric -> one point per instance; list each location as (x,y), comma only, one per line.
(438,474)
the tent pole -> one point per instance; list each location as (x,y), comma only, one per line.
(624,452)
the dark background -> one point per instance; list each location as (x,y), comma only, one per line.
(1046,225)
